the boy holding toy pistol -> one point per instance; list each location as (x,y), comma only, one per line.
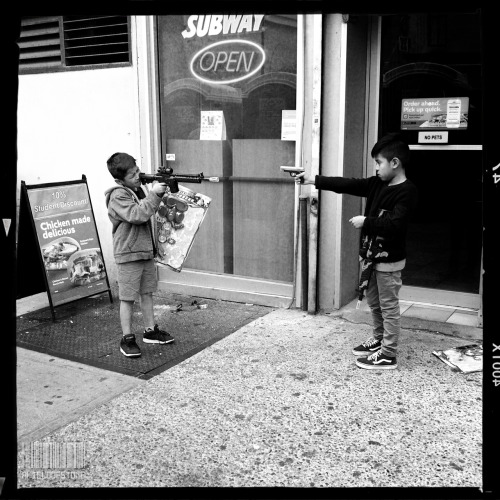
(130,210)
(389,190)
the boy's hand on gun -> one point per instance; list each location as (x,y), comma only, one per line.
(159,188)
(358,221)
(304,179)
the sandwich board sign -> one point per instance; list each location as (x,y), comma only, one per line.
(69,250)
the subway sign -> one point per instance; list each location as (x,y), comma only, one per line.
(201,26)
(227,61)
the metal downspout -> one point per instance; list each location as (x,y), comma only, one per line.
(315,33)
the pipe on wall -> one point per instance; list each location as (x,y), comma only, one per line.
(304,261)
(314,34)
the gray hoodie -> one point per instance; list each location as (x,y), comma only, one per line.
(132,236)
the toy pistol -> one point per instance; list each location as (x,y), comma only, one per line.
(166,175)
(293,171)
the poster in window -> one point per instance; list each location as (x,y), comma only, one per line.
(435,113)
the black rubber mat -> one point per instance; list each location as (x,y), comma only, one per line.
(88,330)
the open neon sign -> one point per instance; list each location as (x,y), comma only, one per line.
(217,64)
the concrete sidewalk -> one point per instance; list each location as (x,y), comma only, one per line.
(281,402)
(51,392)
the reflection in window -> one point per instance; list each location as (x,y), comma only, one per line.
(431,56)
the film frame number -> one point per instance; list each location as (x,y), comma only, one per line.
(496,177)
(496,366)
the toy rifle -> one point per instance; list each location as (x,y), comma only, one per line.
(166,175)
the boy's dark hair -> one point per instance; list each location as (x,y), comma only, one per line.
(119,164)
(392,146)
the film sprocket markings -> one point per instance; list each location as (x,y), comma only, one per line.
(178,220)
(53,475)
(53,455)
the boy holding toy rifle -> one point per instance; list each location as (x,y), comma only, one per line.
(130,210)
(388,192)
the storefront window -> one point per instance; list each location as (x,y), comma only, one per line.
(226,83)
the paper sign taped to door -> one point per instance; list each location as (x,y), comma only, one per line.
(288,125)
(436,113)
(213,126)
(178,220)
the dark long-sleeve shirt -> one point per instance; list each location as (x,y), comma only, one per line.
(399,201)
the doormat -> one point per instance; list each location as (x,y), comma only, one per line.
(88,331)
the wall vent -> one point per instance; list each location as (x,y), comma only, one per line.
(39,43)
(90,40)
(58,43)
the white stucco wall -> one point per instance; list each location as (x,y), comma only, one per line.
(69,123)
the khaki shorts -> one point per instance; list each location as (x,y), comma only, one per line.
(136,278)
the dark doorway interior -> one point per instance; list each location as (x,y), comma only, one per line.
(438,56)
(444,240)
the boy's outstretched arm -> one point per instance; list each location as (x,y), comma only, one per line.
(340,185)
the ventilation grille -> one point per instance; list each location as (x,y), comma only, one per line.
(61,42)
(39,43)
(95,40)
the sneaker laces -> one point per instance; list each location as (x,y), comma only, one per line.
(375,355)
(371,341)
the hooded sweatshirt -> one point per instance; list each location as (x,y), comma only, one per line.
(130,216)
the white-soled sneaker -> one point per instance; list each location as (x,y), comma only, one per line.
(129,347)
(157,336)
(368,347)
(377,361)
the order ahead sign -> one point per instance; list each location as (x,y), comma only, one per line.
(443,113)
(68,240)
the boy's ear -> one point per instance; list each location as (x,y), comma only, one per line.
(396,162)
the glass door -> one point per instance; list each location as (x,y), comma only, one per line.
(227,91)
(431,63)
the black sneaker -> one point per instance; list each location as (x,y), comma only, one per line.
(157,336)
(367,347)
(129,347)
(377,361)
